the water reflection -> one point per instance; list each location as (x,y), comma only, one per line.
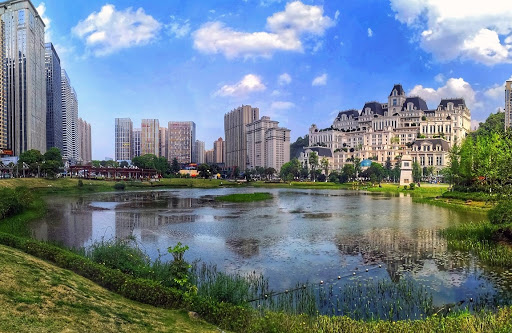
(300,235)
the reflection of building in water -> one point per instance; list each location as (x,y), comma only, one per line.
(126,222)
(399,252)
(246,248)
(176,202)
(68,222)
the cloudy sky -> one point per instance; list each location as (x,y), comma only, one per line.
(299,62)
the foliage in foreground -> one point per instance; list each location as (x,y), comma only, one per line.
(15,201)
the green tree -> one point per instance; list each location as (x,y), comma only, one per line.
(357,165)
(269,172)
(290,170)
(348,173)
(324,164)
(416,172)
(297,147)
(175,166)
(53,154)
(313,163)
(124,164)
(204,170)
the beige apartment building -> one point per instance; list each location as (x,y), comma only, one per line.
(235,131)
(388,130)
(150,137)
(209,156)
(163,140)
(84,137)
(137,133)
(268,145)
(219,147)
(182,137)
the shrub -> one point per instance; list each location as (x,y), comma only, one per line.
(405,187)
(15,201)
(501,213)
(80,183)
(118,254)
(119,186)
(412,185)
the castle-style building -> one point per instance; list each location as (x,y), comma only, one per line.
(389,130)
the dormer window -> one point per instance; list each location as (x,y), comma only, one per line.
(394,100)
(410,106)
(450,106)
(394,92)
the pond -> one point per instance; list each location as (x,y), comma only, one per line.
(371,244)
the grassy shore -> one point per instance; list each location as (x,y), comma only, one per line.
(38,297)
(245,197)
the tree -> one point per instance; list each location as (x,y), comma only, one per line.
(204,170)
(297,147)
(388,166)
(175,166)
(269,172)
(357,165)
(495,123)
(324,163)
(290,170)
(33,159)
(124,164)
(348,173)
(313,163)
(161,164)
(96,163)
(53,154)
(236,172)
(416,172)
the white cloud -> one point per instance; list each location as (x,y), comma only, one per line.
(370,32)
(179,30)
(281,105)
(41,9)
(111,30)
(285,30)
(439,78)
(284,79)
(249,83)
(460,29)
(337,14)
(454,88)
(320,80)
(497,91)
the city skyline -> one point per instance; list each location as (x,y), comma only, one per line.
(333,57)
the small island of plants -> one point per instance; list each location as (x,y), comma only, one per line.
(245,197)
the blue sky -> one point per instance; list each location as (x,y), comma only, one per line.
(299,62)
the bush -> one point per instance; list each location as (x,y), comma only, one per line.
(15,201)
(118,254)
(412,185)
(119,186)
(501,213)
(80,183)
(405,187)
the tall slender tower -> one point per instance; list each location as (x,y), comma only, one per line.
(53,99)
(25,76)
(508,104)
(124,139)
(236,134)
(69,119)
(150,137)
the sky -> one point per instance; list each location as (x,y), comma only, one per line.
(299,62)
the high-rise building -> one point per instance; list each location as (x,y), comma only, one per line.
(199,152)
(137,133)
(218,151)
(25,76)
(3,101)
(182,136)
(69,119)
(209,156)
(124,139)
(149,138)
(508,104)
(236,134)
(53,98)
(84,136)
(164,138)
(268,145)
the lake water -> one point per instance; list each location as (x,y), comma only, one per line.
(298,236)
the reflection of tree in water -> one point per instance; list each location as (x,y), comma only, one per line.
(399,252)
(246,248)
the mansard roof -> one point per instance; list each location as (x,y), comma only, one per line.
(376,108)
(348,113)
(399,90)
(445,145)
(321,151)
(456,102)
(418,102)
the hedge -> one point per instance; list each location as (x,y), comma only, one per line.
(225,315)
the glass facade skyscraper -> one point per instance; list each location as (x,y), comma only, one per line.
(53,99)
(25,76)
(124,139)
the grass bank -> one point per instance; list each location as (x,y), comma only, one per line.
(38,297)
(245,197)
